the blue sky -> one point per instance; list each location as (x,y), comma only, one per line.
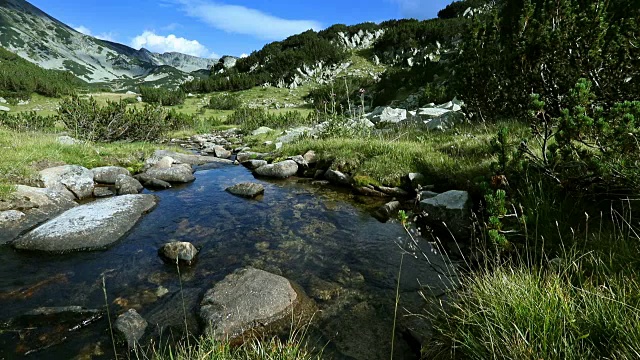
(211,28)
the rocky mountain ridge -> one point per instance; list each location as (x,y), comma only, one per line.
(51,44)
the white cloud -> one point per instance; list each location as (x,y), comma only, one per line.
(102,36)
(171,43)
(242,20)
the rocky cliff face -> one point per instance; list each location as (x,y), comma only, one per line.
(43,40)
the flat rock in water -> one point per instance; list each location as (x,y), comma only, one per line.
(183,158)
(88,227)
(248,190)
(72,179)
(181,173)
(281,170)
(245,301)
(38,205)
(253,164)
(108,174)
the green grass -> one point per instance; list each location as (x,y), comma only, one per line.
(446,158)
(526,313)
(21,152)
(269,349)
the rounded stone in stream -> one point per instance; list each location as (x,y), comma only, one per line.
(126,185)
(74,180)
(108,174)
(88,227)
(253,164)
(281,170)
(131,326)
(183,251)
(181,173)
(249,301)
(248,190)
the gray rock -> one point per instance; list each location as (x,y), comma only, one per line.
(126,185)
(244,156)
(131,326)
(395,191)
(157,184)
(183,251)
(183,158)
(67,140)
(294,134)
(253,164)
(151,182)
(451,208)
(261,130)
(336,177)
(310,157)
(4,108)
(416,180)
(249,190)
(9,216)
(221,152)
(165,163)
(388,210)
(388,115)
(38,205)
(319,174)
(244,301)
(281,170)
(108,174)
(279,145)
(74,180)
(180,173)
(102,192)
(88,227)
(423,195)
(299,159)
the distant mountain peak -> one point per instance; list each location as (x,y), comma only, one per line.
(43,40)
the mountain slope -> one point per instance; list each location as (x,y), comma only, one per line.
(41,39)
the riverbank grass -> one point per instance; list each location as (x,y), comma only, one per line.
(22,154)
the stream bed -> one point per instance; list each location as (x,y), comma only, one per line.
(323,238)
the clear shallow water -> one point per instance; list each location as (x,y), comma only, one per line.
(322,238)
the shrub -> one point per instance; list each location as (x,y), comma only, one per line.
(341,95)
(164,97)
(113,122)
(544,47)
(27,121)
(224,102)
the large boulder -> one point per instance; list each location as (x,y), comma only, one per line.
(261,131)
(388,115)
(179,173)
(453,208)
(131,326)
(126,185)
(249,301)
(248,190)
(76,181)
(108,174)
(281,170)
(88,227)
(37,204)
